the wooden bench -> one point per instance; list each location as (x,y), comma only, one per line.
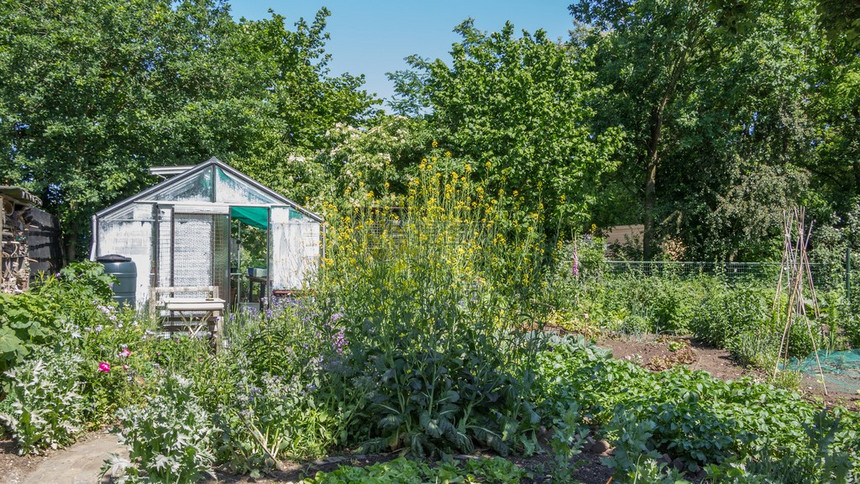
(189,313)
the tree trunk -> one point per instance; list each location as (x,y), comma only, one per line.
(651,181)
(71,245)
(648,210)
(652,160)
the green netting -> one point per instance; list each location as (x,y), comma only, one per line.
(254,216)
(841,369)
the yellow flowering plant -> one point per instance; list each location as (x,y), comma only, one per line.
(437,294)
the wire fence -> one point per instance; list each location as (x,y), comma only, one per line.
(825,275)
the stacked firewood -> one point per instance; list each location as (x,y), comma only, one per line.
(15,263)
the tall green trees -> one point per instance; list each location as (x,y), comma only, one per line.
(517,108)
(646,51)
(93,93)
(723,107)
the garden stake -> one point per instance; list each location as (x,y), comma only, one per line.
(796,261)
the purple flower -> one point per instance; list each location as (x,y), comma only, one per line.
(104,309)
(339,341)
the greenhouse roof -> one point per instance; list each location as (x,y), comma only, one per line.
(216,183)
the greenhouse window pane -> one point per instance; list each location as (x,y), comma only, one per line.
(231,190)
(195,189)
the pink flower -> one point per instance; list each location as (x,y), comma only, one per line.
(125,353)
(104,367)
(125,367)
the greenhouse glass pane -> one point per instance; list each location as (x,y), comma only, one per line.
(195,189)
(131,239)
(192,251)
(141,212)
(231,190)
(295,249)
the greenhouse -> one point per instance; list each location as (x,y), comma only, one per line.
(211,225)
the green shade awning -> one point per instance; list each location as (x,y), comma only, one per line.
(254,216)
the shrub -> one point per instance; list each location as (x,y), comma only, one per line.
(433,304)
(633,302)
(170,437)
(44,406)
(33,319)
(292,395)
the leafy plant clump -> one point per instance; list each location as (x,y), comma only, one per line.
(169,438)
(691,416)
(35,318)
(405,471)
(433,303)
(44,408)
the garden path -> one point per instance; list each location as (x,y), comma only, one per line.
(79,464)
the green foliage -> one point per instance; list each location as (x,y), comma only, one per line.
(44,407)
(653,471)
(632,440)
(688,415)
(635,303)
(35,318)
(568,435)
(403,471)
(819,462)
(717,143)
(377,160)
(739,318)
(169,438)
(432,313)
(92,97)
(517,109)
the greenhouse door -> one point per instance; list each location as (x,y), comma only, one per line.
(192,250)
(295,247)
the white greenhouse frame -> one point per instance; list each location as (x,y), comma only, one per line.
(178,232)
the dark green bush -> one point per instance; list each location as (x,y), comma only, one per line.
(35,318)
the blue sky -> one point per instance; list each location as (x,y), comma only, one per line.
(373,37)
